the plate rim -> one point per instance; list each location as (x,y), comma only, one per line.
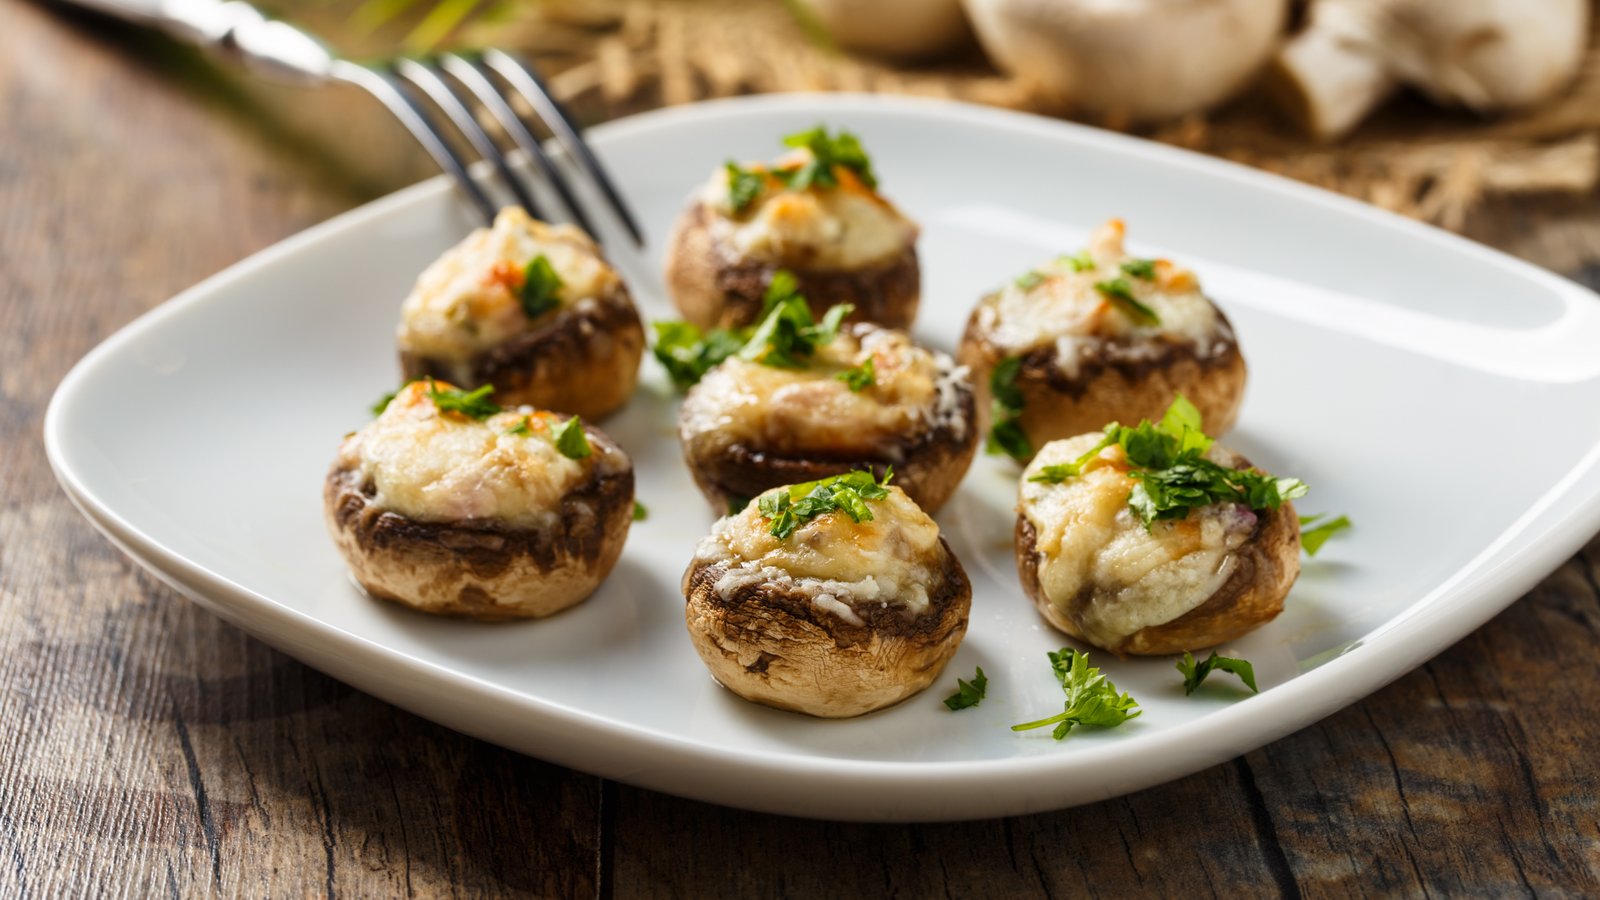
(1408,638)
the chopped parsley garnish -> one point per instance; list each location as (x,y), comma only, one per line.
(793,506)
(861,377)
(1027,281)
(1315,531)
(736,505)
(1170,472)
(688,354)
(541,287)
(827,151)
(1006,434)
(787,335)
(744,186)
(640,513)
(475,404)
(1080,261)
(968,693)
(384,401)
(523,428)
(1120,293)
(1141,268)
(570,439)
(1091,698)
(1195,672)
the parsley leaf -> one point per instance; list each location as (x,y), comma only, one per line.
(571,440)
(968,693)
(1194,673)
(736,505)
(388,398)
(860,377)
(1140,268)
(790,507)
(541,287)
(1170,472)
(640,513)
(1120,293)
(688,354)
(787,335)
(1006,434)
(1080,262)
(744,186)
(1091,698)
(523,428)
(1315,531)
(843,150)
(475,404)
(1027,281)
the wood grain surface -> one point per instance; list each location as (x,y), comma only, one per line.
(147,748)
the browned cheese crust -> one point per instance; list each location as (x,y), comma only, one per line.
(483,570)
(770,644)
(714,288)
(583,360)
(1112,383)
(1268,564)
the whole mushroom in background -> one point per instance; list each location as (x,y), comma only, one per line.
(1487,55)
(1134,60)
(897,29)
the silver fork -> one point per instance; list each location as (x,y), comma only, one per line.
(453,83)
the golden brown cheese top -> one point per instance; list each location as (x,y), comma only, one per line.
(435,466)
(469,300)
(811,409)
(843,228)
(1098,564)
(1058,303)
(893,559)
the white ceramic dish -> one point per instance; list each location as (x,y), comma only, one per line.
(1446,396)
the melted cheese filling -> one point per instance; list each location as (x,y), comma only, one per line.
(848,227)
(446,467)
(799,411)
(1060,306)
(893,560)
(1099,566)
(469,300)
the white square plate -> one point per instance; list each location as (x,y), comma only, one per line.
(1445,396)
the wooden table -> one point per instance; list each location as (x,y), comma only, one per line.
(145,746)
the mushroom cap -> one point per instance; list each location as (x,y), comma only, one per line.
(1266,565)
(898,29)
(1113,381)
(714,286)
(582,359)
(1140,60)
(770,643)
(928,462)
(483,569)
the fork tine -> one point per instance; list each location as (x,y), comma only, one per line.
(445,97)
(392,94)
(479,84)
(527,82)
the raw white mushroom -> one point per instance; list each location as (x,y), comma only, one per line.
(899,29)
(1140,60)
(1486,55)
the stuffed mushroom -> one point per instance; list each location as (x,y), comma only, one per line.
(815,212)
(448,504)
(833,598)
(530,308)
(1153,540)
(1099,337)
(800,401)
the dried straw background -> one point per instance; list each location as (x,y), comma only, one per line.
(607,58)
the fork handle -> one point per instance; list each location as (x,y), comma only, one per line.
(233,27)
